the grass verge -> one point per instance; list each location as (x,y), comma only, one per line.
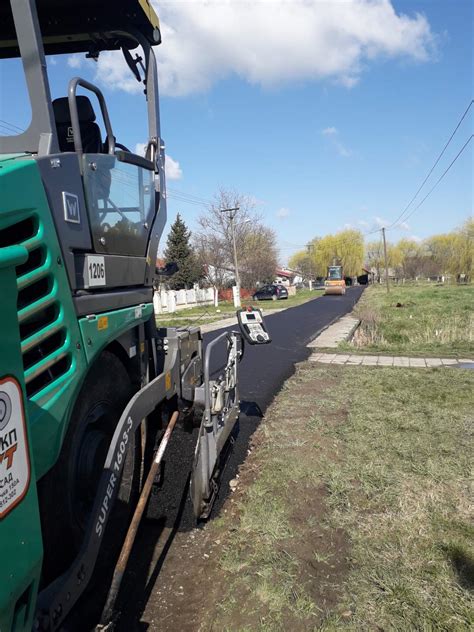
(209,314)
(416,320)
(353,509)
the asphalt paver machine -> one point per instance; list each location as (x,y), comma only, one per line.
(87,379)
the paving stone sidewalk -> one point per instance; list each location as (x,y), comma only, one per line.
(400,361)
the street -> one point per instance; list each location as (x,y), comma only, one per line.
(265,368)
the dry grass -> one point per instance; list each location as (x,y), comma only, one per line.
(356,509)
(404,493)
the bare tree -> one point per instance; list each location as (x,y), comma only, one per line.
(213,259)
(259,257)
(256,251)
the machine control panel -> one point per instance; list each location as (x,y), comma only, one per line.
(252,326)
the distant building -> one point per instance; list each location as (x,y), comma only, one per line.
(288,277)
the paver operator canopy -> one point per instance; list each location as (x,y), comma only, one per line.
(76,26)
(82,362)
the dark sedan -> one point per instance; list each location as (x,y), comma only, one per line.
(270,293)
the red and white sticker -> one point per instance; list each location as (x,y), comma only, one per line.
(14,457)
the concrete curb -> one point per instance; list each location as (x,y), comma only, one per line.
(339,330)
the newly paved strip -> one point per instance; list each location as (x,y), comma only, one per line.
(262,373)
(382,360)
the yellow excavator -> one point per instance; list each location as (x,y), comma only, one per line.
(335,283)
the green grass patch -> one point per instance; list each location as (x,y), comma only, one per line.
(424,319)
(354,510)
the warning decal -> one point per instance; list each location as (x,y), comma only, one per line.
(14,458)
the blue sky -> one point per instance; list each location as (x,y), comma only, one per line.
(328,114)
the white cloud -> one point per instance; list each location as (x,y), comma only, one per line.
(172,169)
(404,226)
(332,133)
(113,72)
(342,150)
(270,43)
(283,212)
(416,238)
(75,61)
(363,223)
(329,131)
(140,149)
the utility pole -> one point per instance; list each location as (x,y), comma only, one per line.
(232,212)
(310,248)
(385,255)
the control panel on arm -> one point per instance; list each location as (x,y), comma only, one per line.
(252,326)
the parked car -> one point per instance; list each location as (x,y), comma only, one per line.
(270,293)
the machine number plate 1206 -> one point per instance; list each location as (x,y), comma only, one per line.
(95,271)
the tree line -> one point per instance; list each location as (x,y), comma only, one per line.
(207,256)
(448,254)
(440,255)
(344,248)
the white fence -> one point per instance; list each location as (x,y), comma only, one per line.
(169,301)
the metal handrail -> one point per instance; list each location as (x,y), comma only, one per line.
(76,127)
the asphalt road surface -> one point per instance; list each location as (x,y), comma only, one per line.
(264,369)
(262,373)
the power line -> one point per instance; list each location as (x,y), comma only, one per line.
(432,168)
(13,128)
(190,196)
(441,176)
(173,196)
(371,232)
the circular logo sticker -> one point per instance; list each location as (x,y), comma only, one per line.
(5,410)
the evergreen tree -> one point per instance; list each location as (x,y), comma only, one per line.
(180,251)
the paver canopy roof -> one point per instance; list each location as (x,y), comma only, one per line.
(74,26)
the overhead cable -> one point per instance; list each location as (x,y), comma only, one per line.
(441,176)
(433,167)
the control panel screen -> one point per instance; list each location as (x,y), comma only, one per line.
(252,326)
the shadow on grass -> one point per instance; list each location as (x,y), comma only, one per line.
(462,563)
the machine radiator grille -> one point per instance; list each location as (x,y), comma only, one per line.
(45,342)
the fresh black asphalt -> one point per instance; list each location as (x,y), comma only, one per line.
(262,372)
(265,368)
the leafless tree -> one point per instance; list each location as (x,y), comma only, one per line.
(256,251)
(213,259)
